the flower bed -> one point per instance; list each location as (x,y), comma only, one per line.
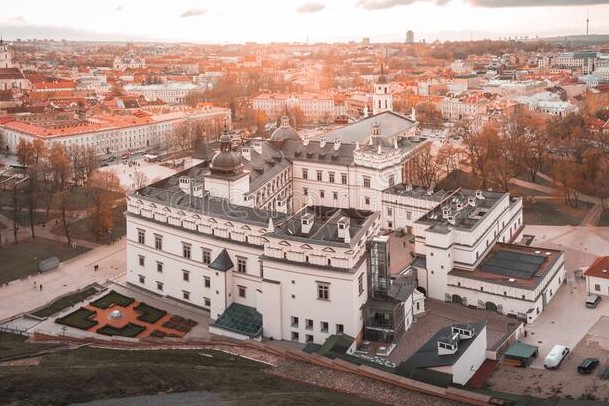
(128,330)
(112,298)
(149,314)
(80,319)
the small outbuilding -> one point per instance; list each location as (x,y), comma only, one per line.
(520,354)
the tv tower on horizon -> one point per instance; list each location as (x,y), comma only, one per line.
(587,23)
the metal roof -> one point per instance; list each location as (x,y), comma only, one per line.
(240,319)
(522,350)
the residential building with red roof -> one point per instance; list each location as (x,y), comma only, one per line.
(597,277)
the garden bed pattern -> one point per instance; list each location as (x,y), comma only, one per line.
(138,319)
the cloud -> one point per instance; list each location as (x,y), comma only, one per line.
(119,8)
(309,7)
(383,4)
(193,12)
(533,3)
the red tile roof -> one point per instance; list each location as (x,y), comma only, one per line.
(599,268)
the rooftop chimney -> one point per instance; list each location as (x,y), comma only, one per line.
(306,222)
(245,153)
(257,145)
(322,142)
(343,228)
(336,145)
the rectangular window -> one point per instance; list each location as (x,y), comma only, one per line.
(185,275)
(295,336)
(597,287)
(309,324)
(305,191)
(142,279)
(185,295)
(241,265)
(294,321)
(141,236)
(206,301)
(319,176)
(324,326)
(186,250)
(322,193)
(367,181)
(305,173)
(309,338)
(206,256)
(159,267)
(141,260)
(391,180)
(343,178)
(389,211)
(335,195)
(360,283)
(158,241)
(340,329)
(408,215)
(241,290)
(367,201)
(206,281)
(323,291)
(331,177)
(159,285)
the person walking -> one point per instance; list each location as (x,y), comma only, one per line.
(41,287)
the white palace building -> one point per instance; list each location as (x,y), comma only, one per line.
(293,239)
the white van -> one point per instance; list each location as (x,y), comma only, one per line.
(555,357)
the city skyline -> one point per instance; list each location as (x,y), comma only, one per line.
(237,21)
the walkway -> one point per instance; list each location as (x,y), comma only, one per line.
(20,296)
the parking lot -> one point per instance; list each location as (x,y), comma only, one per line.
(564,382)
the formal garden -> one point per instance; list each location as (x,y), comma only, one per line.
(115,314)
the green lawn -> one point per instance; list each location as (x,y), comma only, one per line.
(87,374)
(604,220)
(14,346)
(111,298)
(554,213)
(80,318)
(21,260)
(66,301)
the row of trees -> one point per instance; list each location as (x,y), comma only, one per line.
(52,173)
(524,145)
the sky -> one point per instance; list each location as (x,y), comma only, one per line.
(264,21)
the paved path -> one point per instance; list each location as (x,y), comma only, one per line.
(20,296)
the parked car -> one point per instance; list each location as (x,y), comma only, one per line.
(555,357)
(592,301)
(587,365)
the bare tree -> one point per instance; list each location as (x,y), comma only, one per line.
(103,188)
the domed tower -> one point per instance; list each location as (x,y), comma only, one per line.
(227,179)
(285,132)
(226,162)
(381,99)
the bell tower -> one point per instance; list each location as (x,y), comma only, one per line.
(5,55)
(381,99)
